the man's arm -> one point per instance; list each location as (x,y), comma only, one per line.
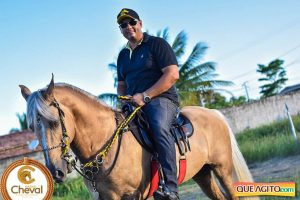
(121,88)
(166,81)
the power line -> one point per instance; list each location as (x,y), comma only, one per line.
(289,51)
(244,86)
(284,54)
(242,75)
(260,40)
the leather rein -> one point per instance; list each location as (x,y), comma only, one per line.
(90,169)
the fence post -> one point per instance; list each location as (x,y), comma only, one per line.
(291,122)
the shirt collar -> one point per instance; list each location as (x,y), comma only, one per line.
(144,40)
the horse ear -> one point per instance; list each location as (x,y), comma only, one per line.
(25,91)
(49,89)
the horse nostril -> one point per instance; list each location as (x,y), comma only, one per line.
(59,174)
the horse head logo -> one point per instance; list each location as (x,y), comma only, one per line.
(124,12)
(24,175)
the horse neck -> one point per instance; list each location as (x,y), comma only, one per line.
(94,123)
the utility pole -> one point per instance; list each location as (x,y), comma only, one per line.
(293,131)
(246,90)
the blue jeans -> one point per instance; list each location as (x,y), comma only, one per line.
(161,113)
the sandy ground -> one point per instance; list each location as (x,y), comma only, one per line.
(274,170)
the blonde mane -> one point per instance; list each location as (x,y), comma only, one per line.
(37,105)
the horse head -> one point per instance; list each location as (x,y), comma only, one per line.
(46,118)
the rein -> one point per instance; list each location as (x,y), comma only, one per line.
(89,169)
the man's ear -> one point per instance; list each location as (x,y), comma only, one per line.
(25,91)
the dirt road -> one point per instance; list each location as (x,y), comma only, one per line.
(277,169)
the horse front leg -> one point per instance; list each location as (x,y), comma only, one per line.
(95,194)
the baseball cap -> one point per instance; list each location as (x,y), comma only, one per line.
(127,13)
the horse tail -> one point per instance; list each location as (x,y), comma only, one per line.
(240,166)
(241,169)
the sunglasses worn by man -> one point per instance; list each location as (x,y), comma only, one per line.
(132,22)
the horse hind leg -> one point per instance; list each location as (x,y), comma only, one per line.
(208,184)
(224,175)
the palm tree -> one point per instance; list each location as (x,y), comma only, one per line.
(275,75)
(110,98)
(22,122)
(196,80)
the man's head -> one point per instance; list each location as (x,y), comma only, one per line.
(130,24)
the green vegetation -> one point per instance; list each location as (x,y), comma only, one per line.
(22,122)
(295,179)
(275,76)
(269,141)
(215,100)
(72,189)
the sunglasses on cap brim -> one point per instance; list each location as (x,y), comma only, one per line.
(132,22)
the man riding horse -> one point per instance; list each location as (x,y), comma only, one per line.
(113,164)
(147,71)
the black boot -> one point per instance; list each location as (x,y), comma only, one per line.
(166,194)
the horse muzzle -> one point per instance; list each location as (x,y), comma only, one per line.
(59,176)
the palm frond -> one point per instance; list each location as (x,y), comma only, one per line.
(179,44)
(110,99)
(112,67)
(195,57)
(196,70)
(163,34)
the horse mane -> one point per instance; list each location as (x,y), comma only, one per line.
(37,105)
(84,93)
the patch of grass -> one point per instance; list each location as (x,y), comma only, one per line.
(72,189)
(273,129)
(269,147)
(269,141)
(189,182)
(295,179)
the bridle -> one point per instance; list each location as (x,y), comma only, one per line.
(90,169)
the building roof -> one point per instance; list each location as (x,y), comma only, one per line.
(290,89)
(15,144)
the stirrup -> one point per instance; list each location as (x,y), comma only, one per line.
(159,195)
(163,193)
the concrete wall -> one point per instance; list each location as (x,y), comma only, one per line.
(4,163)
(262,112)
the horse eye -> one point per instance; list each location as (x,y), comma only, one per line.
(31,127)
(53,124)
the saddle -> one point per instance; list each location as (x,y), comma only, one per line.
(181,130)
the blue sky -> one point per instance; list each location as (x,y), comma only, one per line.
(76,40)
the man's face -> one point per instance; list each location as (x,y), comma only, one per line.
(131,28)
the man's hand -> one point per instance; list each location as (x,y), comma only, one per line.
(138,98)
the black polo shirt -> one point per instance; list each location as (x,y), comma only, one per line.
(142,68)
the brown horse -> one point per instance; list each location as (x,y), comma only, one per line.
(62,113)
